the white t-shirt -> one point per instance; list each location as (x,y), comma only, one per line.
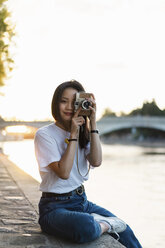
(49,147)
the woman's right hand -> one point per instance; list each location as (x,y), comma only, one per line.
(76,122)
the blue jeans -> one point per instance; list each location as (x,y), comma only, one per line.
(69,217)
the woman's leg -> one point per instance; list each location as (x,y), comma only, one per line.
(76,226)
(127,237)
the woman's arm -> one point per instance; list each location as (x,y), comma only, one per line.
(63,167)
(95,155)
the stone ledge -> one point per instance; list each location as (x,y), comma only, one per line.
(28,234)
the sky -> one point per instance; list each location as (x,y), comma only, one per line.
(115,48)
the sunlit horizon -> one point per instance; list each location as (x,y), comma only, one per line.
(118,114)
(114,48)
(17,129)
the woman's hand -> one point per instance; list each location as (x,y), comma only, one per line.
(77,121)
(95,155)
(92,116)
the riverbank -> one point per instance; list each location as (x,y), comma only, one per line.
(19,213)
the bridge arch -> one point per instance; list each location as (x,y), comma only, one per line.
(112,124)
(126,127)
(32,124)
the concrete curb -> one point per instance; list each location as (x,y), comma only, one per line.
(28,185)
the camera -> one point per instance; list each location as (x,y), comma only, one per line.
(81,101)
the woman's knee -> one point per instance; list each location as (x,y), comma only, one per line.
(89,230)
(80,230)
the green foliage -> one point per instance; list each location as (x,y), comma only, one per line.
(6,34)
(148,108)
(108,112)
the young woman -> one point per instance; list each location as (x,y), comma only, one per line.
(65,150)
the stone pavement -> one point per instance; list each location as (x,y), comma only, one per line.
(19,196)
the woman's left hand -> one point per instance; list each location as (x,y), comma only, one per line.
(92,116)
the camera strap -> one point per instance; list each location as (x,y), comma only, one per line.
(77,158)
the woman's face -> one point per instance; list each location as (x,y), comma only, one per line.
(66,106)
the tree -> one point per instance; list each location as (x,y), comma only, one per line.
(148,108)
(108,112)
(6,34)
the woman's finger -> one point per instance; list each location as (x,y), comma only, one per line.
(93,109)
(93,103)
(78,120)
(92,96)
(77,112)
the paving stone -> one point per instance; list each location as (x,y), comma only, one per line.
(32,213)
(27,218)
(8,230)
(5,212)
(20,207)
(5,179)
(18,240)
(15,222)
(18,198)
(4,203)
(33,229)
(10,188)
(27,240)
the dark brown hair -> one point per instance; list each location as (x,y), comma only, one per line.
(84,130)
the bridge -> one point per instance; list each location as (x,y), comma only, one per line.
(35,124)
(110,124)
(105,125)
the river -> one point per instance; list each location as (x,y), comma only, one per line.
(130,183)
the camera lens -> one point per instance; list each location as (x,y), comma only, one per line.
(85,104)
